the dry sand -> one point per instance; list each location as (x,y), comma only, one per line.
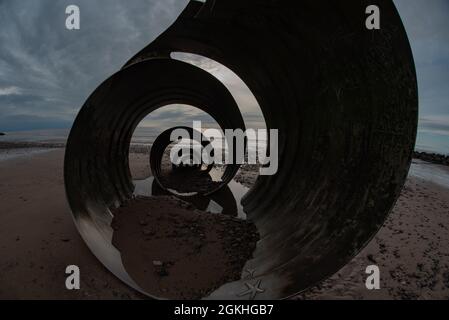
(38,240)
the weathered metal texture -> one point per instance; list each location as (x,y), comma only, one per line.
(344,99)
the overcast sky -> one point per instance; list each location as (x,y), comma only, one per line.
(427,24)
(47,72)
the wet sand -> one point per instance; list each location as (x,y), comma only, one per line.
(173,250)
(38,240)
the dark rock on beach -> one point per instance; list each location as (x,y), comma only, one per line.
(432,157)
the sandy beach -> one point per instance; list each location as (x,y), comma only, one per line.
(411,250)
(38,240)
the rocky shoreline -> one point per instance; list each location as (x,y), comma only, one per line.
(432,157)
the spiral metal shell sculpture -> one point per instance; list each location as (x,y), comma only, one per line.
(343,98)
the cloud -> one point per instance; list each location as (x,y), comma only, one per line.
(434,124)
(177,115)
(7,91)
(427,25)
(248,105)
(47,71)
(21,122)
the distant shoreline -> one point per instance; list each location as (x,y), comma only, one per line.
(5,145)
(8,145)
(434,158)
